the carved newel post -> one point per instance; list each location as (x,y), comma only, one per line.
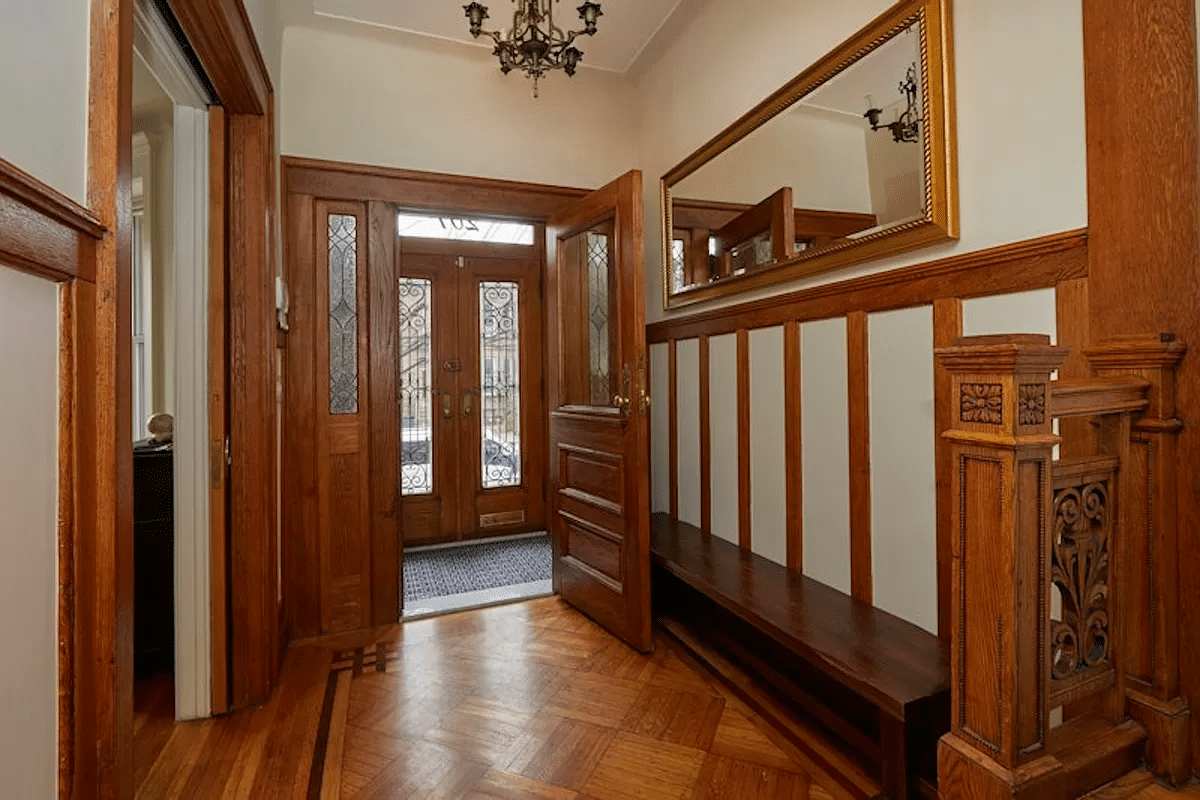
(1002,445)
(1149,550)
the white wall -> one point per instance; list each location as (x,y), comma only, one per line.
(1021,144)
(399,100)
(28,534)
(44,127)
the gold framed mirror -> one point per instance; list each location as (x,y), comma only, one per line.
(852,160)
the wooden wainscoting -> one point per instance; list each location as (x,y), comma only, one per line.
(1059,261)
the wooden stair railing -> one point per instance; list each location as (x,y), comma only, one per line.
(1059,597)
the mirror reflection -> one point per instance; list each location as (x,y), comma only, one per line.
(845,161)
(851,160)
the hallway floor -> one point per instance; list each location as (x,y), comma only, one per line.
(530,701)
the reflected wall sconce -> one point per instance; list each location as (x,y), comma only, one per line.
(906,127)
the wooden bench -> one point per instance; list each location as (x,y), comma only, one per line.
(883,683)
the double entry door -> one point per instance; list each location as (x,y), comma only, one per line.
(471,391)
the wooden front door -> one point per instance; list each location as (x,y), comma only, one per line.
(600,409)
(471,399)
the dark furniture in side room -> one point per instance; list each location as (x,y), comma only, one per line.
(879,684)
(153,560)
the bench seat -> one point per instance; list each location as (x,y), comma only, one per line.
(896,667)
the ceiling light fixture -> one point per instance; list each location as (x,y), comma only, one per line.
(906,127)
(534,43)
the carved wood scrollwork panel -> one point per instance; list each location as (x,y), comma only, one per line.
(982,402)
(1079,568)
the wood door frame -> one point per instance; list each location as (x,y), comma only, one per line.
(87,250)
(381,189)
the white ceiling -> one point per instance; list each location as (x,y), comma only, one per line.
(879,75)
(624,31)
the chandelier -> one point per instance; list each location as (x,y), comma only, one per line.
(906,127)
(534,43)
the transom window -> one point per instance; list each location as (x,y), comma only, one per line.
(464,229)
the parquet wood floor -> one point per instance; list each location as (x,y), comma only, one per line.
(530,701)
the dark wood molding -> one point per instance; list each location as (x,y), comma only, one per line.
(705,437)
(859,416)
(333,180)
(220,33)
(252,532)
(1071,301)
(743,406)
(1020,266)
(96,745)
(947,328)
(794,444)
(384,422)
(673,427)
(44,232)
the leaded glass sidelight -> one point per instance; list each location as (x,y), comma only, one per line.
(343,314)
(500,376)
(599,319)
(416,389)
(678,262)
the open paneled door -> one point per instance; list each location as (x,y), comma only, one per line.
(600,409)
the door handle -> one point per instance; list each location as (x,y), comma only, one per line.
(447,410)
(624,399)
(643,394)
(467,406)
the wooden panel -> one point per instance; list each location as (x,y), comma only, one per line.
(43,231)
(743,405)
(301,551)
(252,403)
(342,459)
(218,419)
(1143,177)
(982,563)
(435,191)
(1032,264)
(673,428)
(947,327)
(220,33)
(382,391)
(705,439)
(594,547)
(593,473)
(859,415)
(794,447)
(103,589)
(1072,323)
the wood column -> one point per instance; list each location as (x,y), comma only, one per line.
(1001,447)
(1148,550)
(1143,175)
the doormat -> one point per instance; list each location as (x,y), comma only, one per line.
(475,567)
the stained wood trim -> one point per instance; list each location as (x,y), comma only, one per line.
(68,394)
(705,437)
(1071,304)
(859,412)
(411,189)
(673,426)
(96,755)
(218,419)
(220,33)
(381,393)
(794,445)
(44,232)
(947,327)
(1020,266)
(254,614)
(743,395)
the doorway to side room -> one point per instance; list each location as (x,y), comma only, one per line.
(470,382)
